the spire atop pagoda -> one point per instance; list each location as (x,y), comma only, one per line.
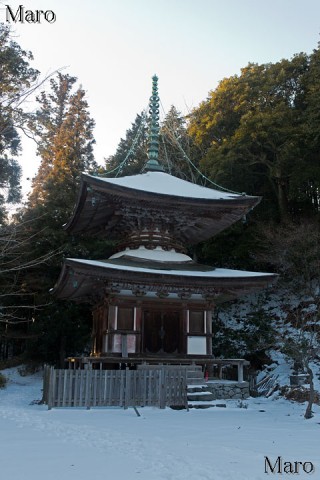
(153,147)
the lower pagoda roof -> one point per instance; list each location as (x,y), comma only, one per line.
(130,275)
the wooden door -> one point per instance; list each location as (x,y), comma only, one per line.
(161,331)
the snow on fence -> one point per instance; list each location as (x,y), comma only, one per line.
(124,388)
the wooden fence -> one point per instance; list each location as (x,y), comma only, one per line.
(124,388)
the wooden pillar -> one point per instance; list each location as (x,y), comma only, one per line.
(184,330)
(112,317)
(240,371)
(138,328)
(112,325)
(208,331)
(104,324)
(124,345)
(208,321)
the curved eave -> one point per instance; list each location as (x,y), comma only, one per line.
(97,210)
(80,279)
(72,285)
(80,203)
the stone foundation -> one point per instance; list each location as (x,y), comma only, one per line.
(228,389)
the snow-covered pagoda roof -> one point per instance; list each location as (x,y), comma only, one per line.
(161,183)
(155,272)
(114,206)
(154,216)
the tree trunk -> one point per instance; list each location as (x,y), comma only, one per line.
(282,199)
(308,413)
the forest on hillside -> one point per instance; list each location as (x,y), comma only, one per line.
(258,132)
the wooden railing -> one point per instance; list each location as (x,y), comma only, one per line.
(207,363)
(88,388)
(222,363)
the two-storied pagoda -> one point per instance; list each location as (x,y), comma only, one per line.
(151,301)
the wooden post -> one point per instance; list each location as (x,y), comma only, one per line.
(95,387)
(240,371)
(59,380)
(88,388)
(111,384)
(185,391)
(81,387)
(124,345)
(73,401)
(127,388)
(45,385)
(64,390)
(51,390)
(122,387)
(162,390)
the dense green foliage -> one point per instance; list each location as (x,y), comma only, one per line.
(175,148)
(64,131)
(17,81)
(33,252)
(246,334)
(132,150)
(259,133)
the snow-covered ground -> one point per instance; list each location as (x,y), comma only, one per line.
(115,444)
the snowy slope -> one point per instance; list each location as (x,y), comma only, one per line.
(215,444)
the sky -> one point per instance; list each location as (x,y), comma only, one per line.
(114,47)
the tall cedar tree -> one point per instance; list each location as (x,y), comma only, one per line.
(177,148)
(17,79)
(131,153)
(65,143)
(307,181)
(174,146)
(64,130)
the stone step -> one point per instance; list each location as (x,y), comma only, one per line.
(195,381)
(222,390)
(195,377)
(195,368)
(200,396)
(203,405)
(196,388)
(195,373)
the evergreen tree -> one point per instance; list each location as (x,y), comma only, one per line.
(64,131)
(65,143)
(252,132)
(131,154)
(17,80)
(177,148)
(306,184)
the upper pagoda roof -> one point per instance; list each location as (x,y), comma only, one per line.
(194,213)
(161,183)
